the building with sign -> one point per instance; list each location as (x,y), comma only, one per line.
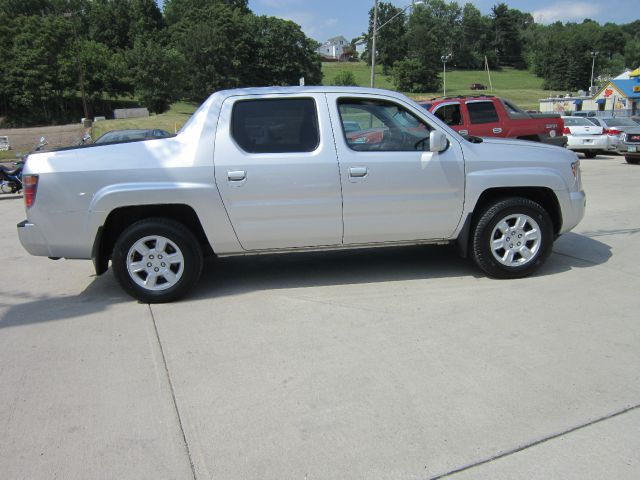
(619,96)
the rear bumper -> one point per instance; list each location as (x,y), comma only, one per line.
(559,141)
(32,239)
(599,142)
(623,149)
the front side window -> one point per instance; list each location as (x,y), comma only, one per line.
(275,125)
(482,112)
(375,125)
(450,114)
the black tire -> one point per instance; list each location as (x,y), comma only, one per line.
(632,160)
(180,241)
(483,235)
(590,154)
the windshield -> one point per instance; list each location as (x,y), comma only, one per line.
(577,122)
(620,122)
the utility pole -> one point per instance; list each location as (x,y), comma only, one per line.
(79,63)
(593,64)
(373,45)
(445,59)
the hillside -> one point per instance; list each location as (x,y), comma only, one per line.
(520,86)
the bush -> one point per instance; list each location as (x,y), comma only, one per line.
(412,75)
(345,79)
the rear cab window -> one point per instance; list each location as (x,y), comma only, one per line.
(482,112)
(275,125)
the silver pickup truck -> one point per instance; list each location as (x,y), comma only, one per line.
(291,169)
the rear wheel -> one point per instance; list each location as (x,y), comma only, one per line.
(589,154)
(512,238)
(157,260)
(632,160)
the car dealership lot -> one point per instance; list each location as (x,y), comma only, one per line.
(393,364)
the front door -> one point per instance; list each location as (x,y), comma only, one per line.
(393,188)
(277,171)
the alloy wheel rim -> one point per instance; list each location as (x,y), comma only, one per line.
(155,263)
(515,240)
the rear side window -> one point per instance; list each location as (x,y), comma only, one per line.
(482,112)
(275,125)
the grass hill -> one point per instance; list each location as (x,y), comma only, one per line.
(520,86)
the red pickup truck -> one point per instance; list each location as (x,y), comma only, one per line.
(489,116)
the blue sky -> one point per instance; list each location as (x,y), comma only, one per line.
(324,19)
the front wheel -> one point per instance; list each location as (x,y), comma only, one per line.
(157,260)
(512,238)
(632,160)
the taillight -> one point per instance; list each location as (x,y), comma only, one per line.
(29,187)
(612,131)
(566,131)
(575,168)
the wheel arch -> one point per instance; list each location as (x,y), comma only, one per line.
(542,195)
(122,217)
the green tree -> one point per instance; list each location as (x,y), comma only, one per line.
(391,43)
(280,54)
(419,72)
(156,73)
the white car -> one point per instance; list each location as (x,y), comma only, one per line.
(614,127)
(583,136)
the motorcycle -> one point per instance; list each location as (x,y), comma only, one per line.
(11,177)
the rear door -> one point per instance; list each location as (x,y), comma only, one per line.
(483,118)
(277,171)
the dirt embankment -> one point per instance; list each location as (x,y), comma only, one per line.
(25,139)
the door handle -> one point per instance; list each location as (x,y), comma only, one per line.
(463,132)
(236,175)
(358,172)
(497,130)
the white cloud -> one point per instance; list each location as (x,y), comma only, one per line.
(279,3)
(565,12)
(311,25)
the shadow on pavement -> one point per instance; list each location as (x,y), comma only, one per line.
(99,295)
(237,275)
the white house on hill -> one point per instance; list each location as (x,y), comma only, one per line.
(334,48)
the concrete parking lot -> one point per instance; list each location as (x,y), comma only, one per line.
(401,363)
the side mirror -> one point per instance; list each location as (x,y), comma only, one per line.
(437,141)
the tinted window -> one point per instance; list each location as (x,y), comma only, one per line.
(577,122)
(275,126)
(482,112)
(620,122)
(449,114)
(383,126)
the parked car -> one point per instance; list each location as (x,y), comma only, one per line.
(583,136)
(629,145)
(119,136)
(477,86)
(489,116)
(614,127)
(584,114)
(4,144)
(263,170)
